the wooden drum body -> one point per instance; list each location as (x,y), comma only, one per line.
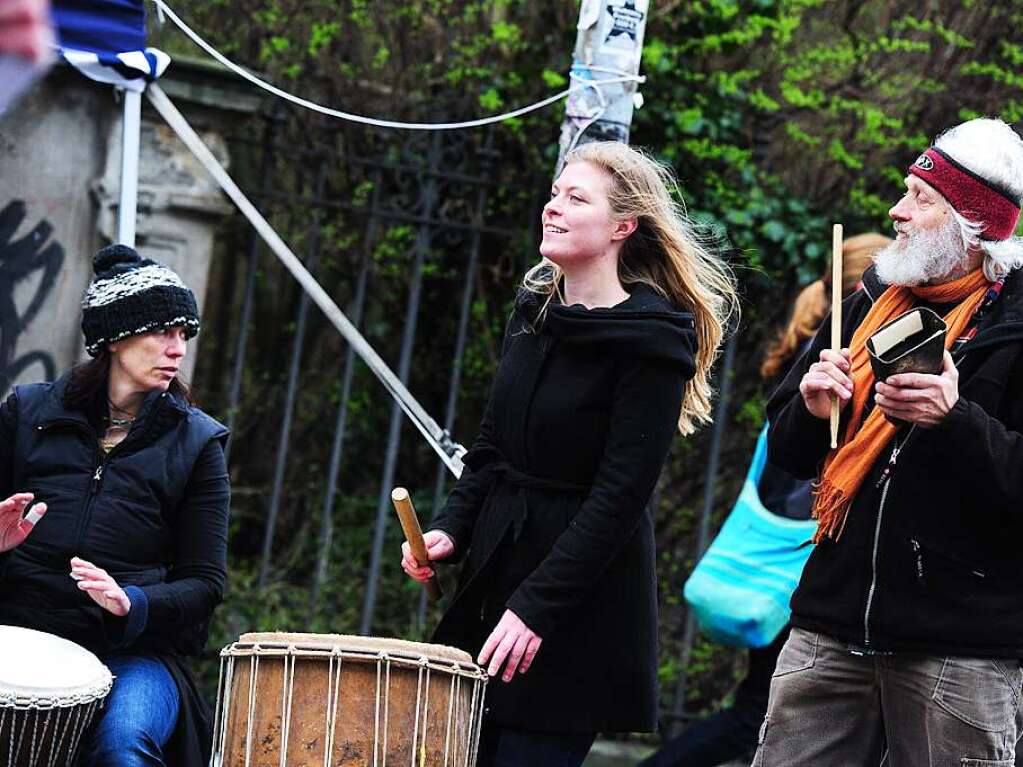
(327,700)
(50,692)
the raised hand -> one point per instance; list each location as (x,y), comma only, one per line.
(97,583)
(13,528)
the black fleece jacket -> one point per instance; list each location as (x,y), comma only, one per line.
(929,561)
(553,509)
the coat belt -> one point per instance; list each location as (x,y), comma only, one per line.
(503,472)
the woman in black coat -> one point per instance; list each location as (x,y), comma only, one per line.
(123,547)
(607,352)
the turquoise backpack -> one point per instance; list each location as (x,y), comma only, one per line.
(740,589)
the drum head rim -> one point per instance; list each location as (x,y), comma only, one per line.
(357,648)
(30,647)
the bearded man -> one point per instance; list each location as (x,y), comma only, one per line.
(908,620)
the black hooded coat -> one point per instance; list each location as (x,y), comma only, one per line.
(552,509)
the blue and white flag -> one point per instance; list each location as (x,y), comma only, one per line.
(105,40)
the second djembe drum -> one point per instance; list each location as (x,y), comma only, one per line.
(50,692)
(305,700)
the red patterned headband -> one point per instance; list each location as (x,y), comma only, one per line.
(973,197)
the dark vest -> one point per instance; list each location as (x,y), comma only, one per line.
(117,511)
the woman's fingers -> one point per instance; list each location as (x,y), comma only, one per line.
(532,648)
(491,644)
(94,585)
(515,656)
(34,515)
(501,653)
(16,502)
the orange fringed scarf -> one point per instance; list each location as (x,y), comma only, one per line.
(863,441)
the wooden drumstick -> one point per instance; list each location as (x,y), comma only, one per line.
(836,317)
(414,536)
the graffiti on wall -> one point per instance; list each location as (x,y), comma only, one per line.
(30,259)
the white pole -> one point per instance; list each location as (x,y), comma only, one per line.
(128,204)
(436,436)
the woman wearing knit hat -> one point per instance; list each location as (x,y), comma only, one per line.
(124,549)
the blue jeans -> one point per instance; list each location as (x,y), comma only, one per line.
(138,717)
(506,747)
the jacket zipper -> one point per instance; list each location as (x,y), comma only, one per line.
(883,482)
(919,560)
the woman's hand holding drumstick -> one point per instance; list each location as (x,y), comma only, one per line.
(419,549)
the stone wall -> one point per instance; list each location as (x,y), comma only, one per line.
(59,180)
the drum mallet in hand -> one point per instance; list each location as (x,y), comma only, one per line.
(414,536)
(836,317)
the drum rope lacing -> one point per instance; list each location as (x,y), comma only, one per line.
(335,656)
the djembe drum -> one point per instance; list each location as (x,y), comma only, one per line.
(329,700)
(50,691)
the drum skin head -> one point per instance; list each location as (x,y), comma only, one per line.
(36,665)
(360,644)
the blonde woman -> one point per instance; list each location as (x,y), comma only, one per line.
(607,354)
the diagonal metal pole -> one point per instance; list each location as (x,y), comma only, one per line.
(422,245)
(284,438)
(326,520)
(449,452)
(703,532)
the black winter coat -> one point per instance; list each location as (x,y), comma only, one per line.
(153,513)
(931,561)
(552,509)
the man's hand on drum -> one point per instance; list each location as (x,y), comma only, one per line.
(512,641)
(438,546)
(98,584)
(830,375)
(13,527)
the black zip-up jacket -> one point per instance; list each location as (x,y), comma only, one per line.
(552,511)
(930,560)
(153,513)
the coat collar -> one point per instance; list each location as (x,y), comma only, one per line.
(645,325)
(158,408)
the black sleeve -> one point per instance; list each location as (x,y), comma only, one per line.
(195,583)
(644,418)
(984,449)
(458,517)
(797,440)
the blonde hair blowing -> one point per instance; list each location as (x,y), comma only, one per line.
(814,301)
(663,252)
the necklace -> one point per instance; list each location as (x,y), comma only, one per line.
(122,423)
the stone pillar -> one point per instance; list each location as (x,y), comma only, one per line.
(59,179)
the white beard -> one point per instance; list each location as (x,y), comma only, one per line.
(925,255)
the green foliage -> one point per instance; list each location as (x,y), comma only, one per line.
(779,118)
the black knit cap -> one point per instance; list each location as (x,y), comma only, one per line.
(132,295)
